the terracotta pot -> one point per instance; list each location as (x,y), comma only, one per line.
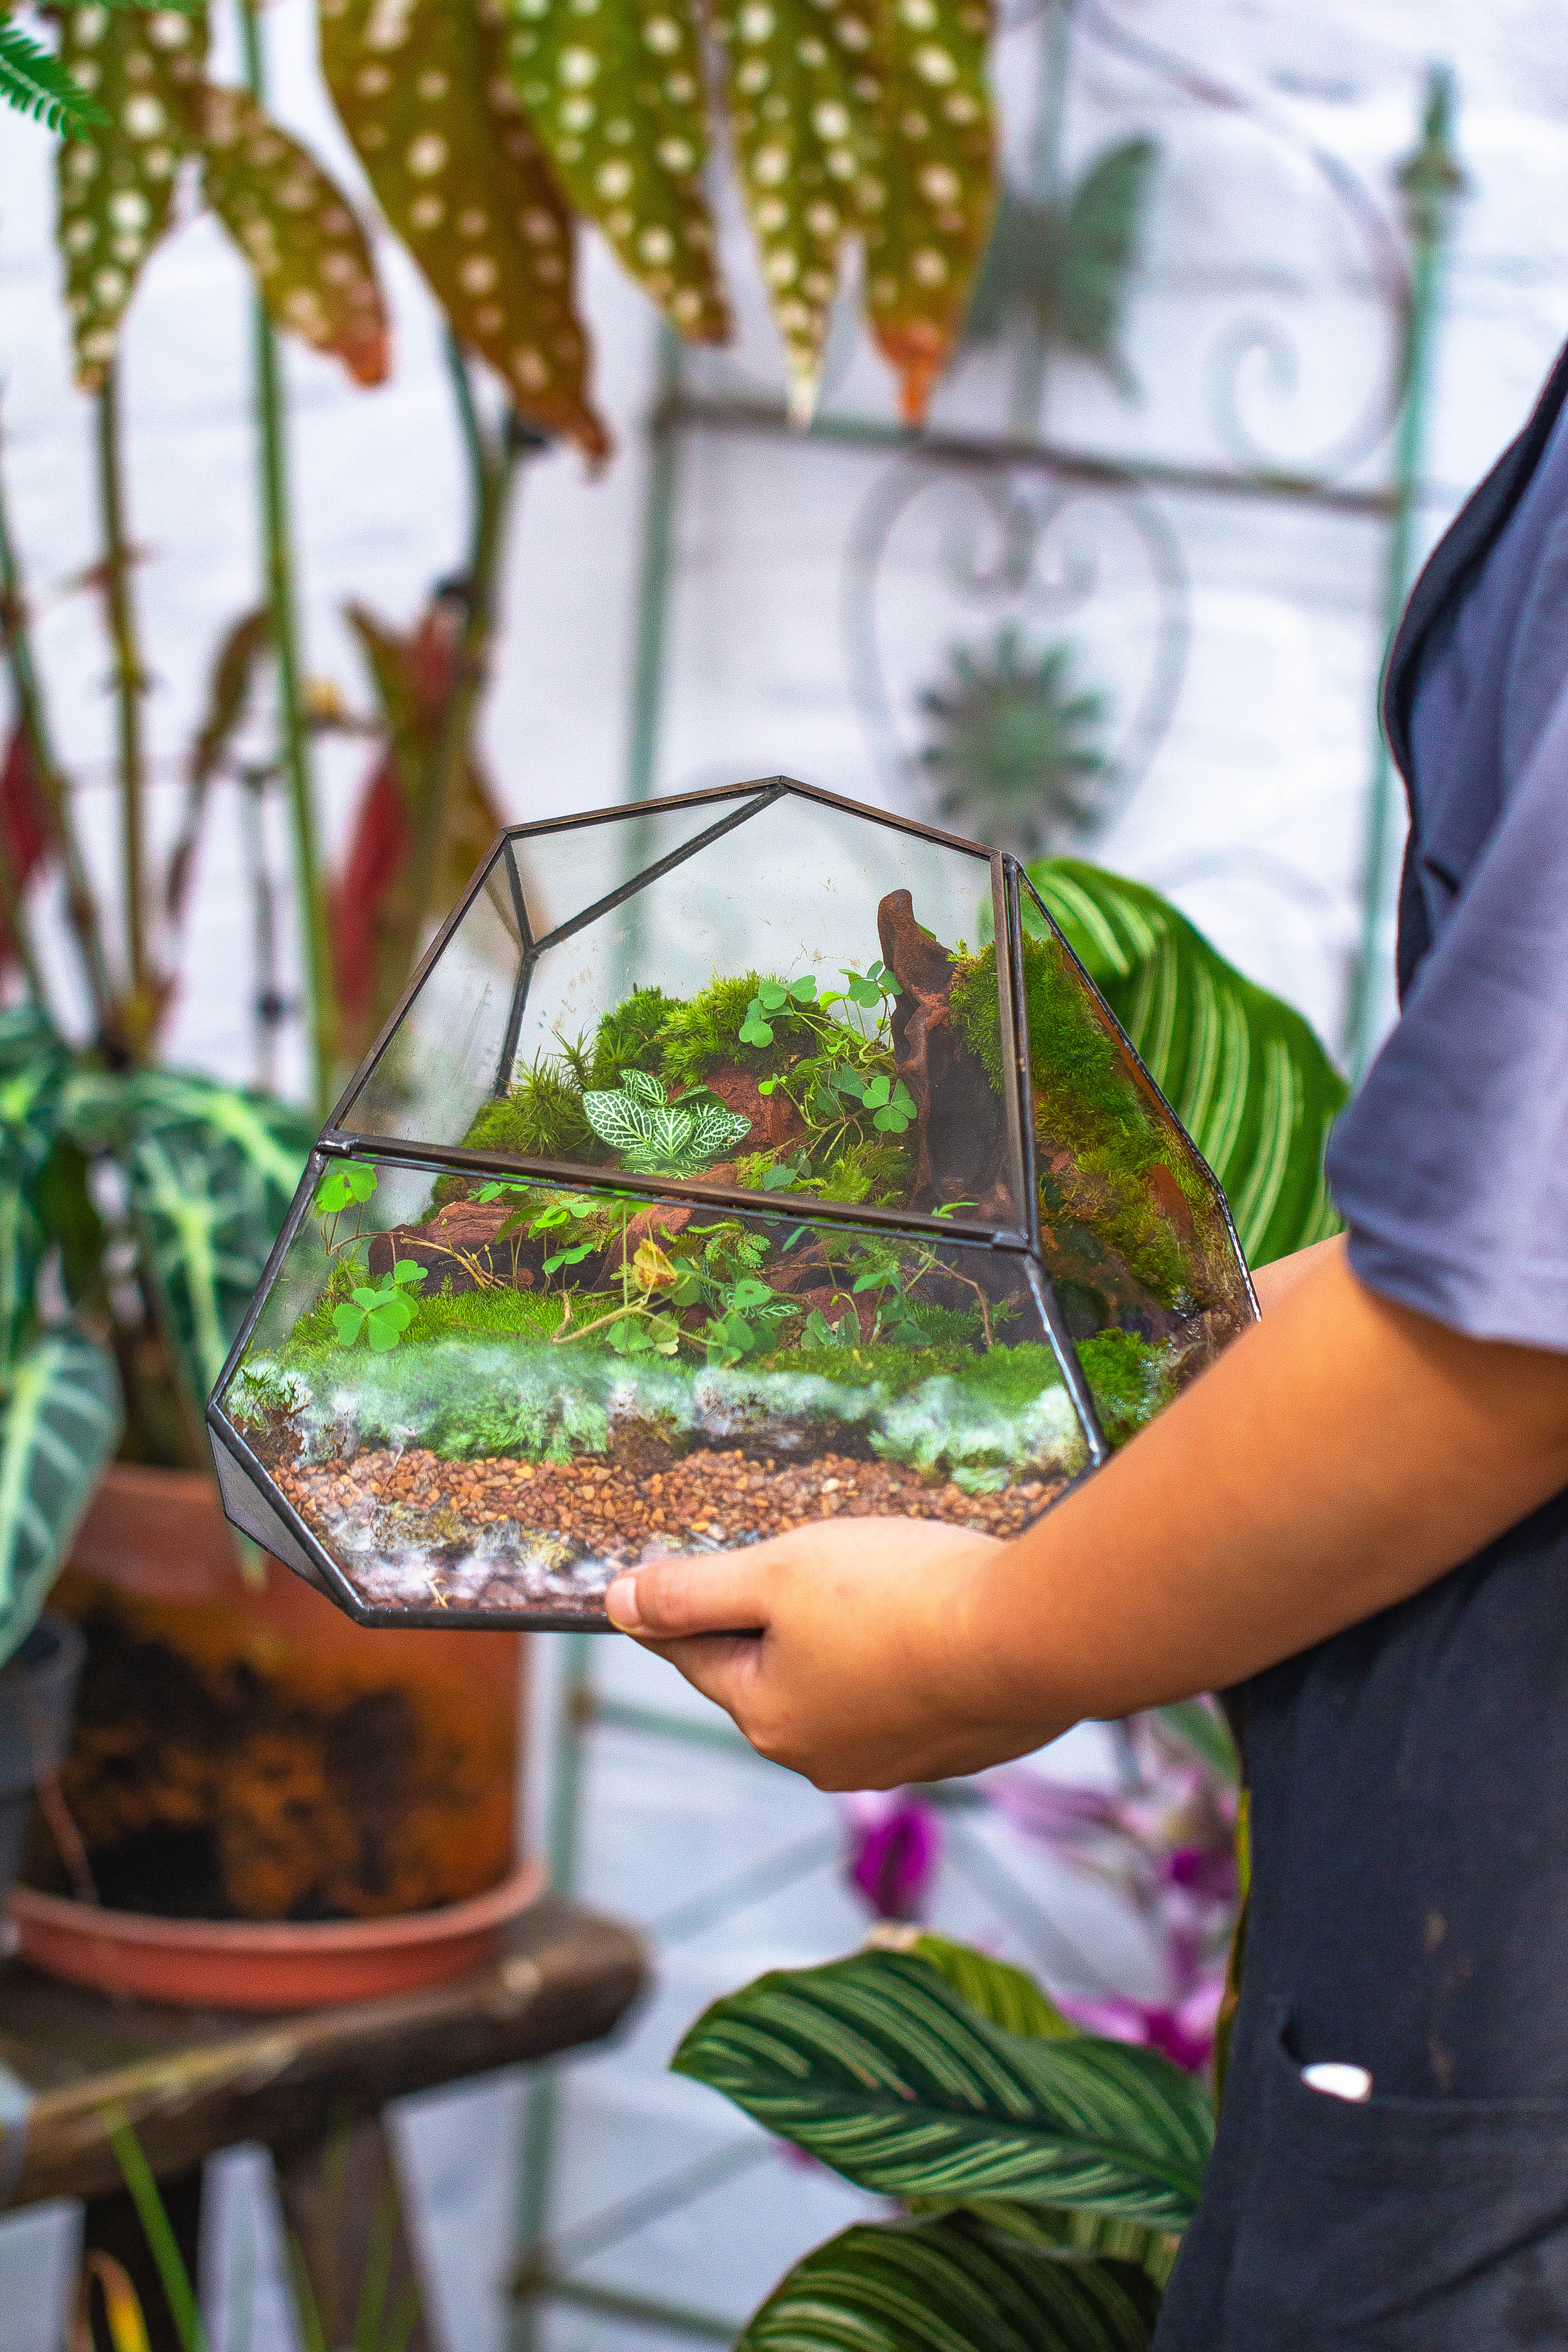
(253,1965)
(246,1753)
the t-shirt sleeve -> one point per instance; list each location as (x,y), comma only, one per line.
(1450,1168)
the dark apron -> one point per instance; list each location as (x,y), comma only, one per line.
(1409,1786)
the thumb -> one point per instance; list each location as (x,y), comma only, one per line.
(722,1592)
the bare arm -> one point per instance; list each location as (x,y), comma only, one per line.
(1335,1459)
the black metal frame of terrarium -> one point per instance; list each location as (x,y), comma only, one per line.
(1125,1271)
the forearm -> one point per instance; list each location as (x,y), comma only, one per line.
(1337,1458)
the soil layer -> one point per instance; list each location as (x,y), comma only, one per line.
(501,1533)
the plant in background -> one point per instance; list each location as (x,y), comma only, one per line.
(1046,2175)
(1012,750)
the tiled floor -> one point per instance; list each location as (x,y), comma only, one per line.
(664,1823)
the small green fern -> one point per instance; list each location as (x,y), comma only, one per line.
(34,81)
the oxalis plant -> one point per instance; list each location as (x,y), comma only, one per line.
(1046,2176)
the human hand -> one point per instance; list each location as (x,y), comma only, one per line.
(843,1650)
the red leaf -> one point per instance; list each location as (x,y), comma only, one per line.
(23,822)
(375,861)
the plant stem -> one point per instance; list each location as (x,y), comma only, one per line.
(81,906)
(492,473)
(16,922)
(130,677)
(321,988)
(158,2229)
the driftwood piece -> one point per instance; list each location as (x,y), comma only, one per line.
(960,1129)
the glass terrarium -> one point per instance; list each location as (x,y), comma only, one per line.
(733,1162)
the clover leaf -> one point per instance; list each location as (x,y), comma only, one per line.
(382,1311)
(349,1182)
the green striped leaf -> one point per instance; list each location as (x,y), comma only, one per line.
(1005,1995)
(1072,2231)
(931,191)
(212,1172)
(1241,1069)
(615,94)
(423,91)
(60,1423)
(803,88)
(878,2067)
(307,253)
(117,183)
(952,2286)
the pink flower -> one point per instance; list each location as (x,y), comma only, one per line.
(895,1844)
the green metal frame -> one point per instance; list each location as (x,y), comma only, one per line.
(1429,182)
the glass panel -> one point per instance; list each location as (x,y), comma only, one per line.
(564,872)
(793,1009)
(1132,1232)
(257,1516)
(441,1062)
(453,1051)
(492,1404)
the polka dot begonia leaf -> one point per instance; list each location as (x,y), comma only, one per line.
(929,198)
(803,89)
(614,88)
(423,91)
(309,253)
(116,186)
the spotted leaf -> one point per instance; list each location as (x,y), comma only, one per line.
(422,89)
(308,252)
(930,197)
(117,183)
(803,97)
(614,90)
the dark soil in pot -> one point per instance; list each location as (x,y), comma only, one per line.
(37,1693)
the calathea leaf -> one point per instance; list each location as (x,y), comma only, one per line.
(1241,1069)
(877,2068)
(929,195)
(1003,1994)
(952,2286)
(614,95)
(307,253)
(423,93)
(1072,2231)
(60,1419)
(803,88)
(117,184)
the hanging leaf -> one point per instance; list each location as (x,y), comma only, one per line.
(212,1172)
(60,1420)
(615,95)
(950,2286)
(802,88)
(414,676)
(311,263)
(1241,1069)
(117,184)
(422,89)
(930,195)
(1072,2231)
(877,2068)
(34,1065)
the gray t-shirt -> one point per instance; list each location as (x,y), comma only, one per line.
(1450,1167)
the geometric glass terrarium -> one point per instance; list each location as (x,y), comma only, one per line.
(732,1161)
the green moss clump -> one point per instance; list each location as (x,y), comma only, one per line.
(628,1037)
(1013,1377)
(897,1370)
(542,1119)
(705,1030)
(1131,1381)
(483,1315)
(1085,1098)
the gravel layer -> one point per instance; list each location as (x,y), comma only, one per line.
(412,1528)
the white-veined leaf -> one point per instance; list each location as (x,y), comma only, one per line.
(952,2286)
(624,1124)
(714,1129)
(878,2067)
(60,1419)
